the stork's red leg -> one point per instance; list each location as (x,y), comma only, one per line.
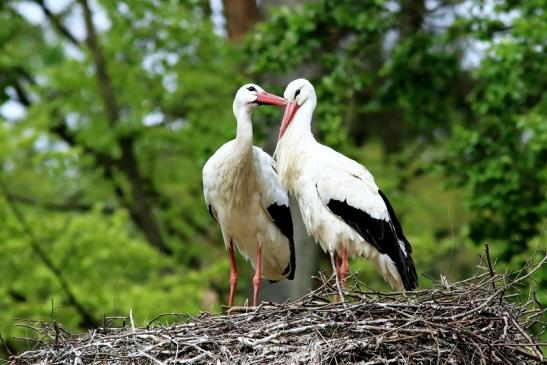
(338,263)
(256,278)
(344,267)
(233,274)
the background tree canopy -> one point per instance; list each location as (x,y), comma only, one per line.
(108,111)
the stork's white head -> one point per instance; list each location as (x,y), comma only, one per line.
(298,93)
(251,95)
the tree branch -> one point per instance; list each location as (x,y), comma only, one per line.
(139,205)
(87,318)
(60,207)
(139,200)
(22,96)
(14,77)
(105,86)
(62,131)
(57,23)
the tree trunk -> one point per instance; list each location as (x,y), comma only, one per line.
(241,16)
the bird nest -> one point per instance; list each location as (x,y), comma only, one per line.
(473,321)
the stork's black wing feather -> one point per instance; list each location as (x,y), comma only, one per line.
(395,222)
(384,235)
(281,215)
(211,212)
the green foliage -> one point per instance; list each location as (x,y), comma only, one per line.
(68,170)
(363,67)
(110,272)
(503,157)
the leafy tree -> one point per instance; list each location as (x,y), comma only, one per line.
(502,158)
(101,203)
(375,65)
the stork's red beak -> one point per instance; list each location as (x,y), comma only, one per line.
(270,99)
(290,111)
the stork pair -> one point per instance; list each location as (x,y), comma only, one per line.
(342,207)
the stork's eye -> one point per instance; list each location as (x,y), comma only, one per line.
(296,93)
(251,88)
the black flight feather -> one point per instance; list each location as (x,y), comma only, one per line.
(281,215)
(382,234)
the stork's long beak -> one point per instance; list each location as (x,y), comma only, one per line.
(290,111)
(270,99)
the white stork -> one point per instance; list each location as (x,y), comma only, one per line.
(342,207)
(245,197)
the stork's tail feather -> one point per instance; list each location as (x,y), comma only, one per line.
(291,267)
(409,276)
(406,268)
(281,215)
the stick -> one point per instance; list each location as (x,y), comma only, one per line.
(336,276)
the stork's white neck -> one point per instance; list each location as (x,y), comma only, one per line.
(244,134)
(293,146)
(239,167)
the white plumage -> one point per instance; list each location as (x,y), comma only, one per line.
(244,195)
(239,195)
(341,205)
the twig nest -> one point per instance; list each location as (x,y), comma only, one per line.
(469,322)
